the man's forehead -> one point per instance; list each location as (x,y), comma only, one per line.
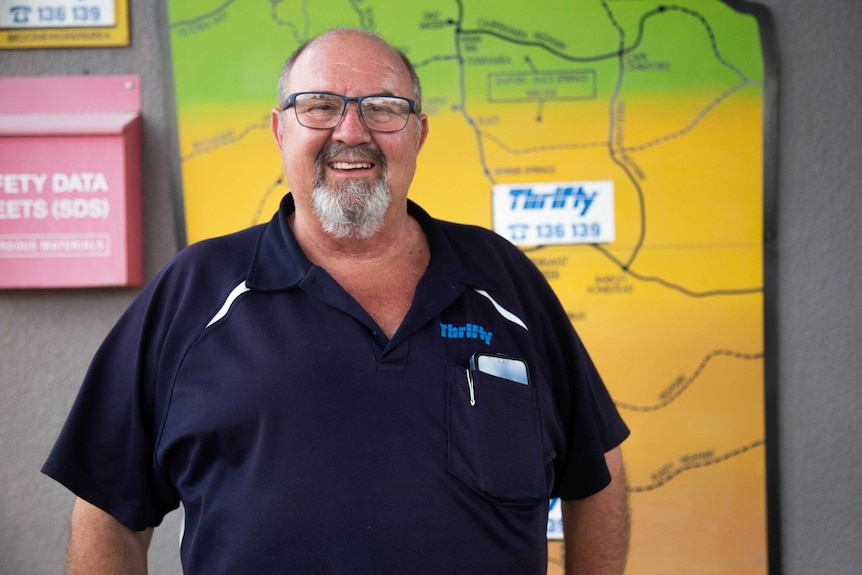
(347,56)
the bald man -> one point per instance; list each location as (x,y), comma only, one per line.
(324,394)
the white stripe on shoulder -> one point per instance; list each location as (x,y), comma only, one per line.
(502,311)
(235,293)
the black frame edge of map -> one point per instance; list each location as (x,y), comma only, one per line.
(172,123)
(770,273)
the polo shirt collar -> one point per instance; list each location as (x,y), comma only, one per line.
(279,262)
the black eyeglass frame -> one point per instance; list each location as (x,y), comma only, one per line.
(291,102)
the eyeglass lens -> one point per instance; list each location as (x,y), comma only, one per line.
(380,113)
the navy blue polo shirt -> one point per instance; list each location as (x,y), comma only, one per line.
(247,384)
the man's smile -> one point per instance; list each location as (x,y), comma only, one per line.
(351,165)
(337,158)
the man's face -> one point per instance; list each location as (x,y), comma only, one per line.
(349,176)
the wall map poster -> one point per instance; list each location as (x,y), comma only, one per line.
(645,117)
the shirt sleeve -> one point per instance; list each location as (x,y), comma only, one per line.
(105,451)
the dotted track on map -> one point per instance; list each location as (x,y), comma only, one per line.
(227,138)
(679,386)
(688,463)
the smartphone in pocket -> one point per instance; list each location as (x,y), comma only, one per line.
(503,366)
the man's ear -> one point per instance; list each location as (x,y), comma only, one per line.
(275,126)
(423,132)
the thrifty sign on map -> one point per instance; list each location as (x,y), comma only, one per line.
(555,212)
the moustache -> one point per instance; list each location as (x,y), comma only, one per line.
(359,153)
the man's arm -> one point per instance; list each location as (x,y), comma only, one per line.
(596,528)
(101,544)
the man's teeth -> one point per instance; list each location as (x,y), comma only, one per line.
(346,166)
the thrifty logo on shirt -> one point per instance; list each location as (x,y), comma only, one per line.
(469,331)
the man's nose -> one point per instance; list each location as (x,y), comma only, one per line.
(351,128)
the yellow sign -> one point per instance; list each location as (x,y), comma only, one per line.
(63,23)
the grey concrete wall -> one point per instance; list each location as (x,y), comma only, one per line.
(48,337)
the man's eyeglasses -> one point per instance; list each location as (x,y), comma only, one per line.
(323,110)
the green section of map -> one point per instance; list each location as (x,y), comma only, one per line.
(664,100)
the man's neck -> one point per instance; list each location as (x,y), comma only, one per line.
(381,272)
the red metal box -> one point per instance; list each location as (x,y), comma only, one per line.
(70,182)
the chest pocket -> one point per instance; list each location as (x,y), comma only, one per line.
(495,445)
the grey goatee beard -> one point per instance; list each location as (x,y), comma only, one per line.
(352,208)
